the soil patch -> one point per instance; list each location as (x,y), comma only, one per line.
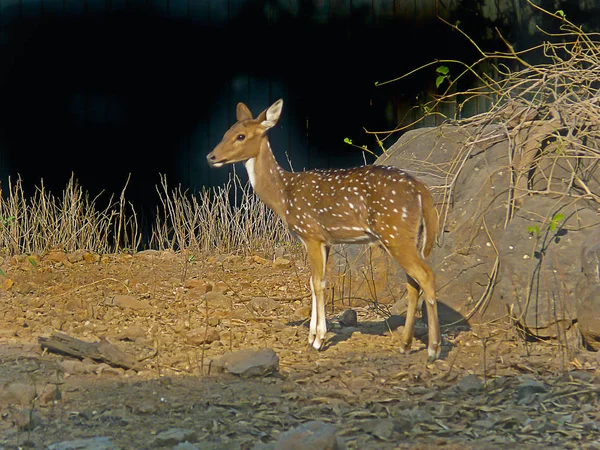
(174,314)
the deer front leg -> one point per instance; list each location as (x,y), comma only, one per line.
(317,257)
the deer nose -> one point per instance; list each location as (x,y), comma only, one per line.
(212,160)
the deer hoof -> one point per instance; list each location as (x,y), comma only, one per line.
(433,354)
(404,348)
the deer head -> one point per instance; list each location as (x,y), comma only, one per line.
(244,139)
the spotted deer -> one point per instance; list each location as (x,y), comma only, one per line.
(353,206)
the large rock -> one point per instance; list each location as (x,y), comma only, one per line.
(540,265)
(588,291)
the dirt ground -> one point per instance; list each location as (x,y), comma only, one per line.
(490,390)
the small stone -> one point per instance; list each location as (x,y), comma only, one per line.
(26,419)
(57,256)
(258,259)
(95,443)
(149,255)
(174,436)
(486,424)
(242,314)
(75,257)
(73,367)
(470,383)
(527,389)
(131,333)
(264,304)
(217,300)
(349,318)
(380,428)
(302,313)
(127,301)
(314,435)
(202,335)
(249,362)
(186,446)
(49,394)
(7,284)
(282,263)
(91,257)
(196,283)
(19,394)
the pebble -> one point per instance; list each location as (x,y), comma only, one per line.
(174,436)
(313,435)
(249,362)
(95,443)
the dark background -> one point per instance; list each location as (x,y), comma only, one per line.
(103,88)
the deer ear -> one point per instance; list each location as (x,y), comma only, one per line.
(242,112)
(270,116)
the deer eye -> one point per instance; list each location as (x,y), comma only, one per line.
(241,137)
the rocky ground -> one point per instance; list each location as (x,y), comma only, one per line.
(176,316)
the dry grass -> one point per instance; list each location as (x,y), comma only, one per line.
(226,219)
(71,221)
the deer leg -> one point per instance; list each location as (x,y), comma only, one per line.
(421,273)
(433,325)
(317,258)
(413,289)
(424,276)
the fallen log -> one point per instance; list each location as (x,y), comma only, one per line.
(102,351)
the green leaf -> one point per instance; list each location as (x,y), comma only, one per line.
(439,80)
(560,13)
(32,262)
(348,141)
(443,70)
(3,273)
(534,229)
(554,222)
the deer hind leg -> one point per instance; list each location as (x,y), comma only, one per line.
(317,258)
(413,290)
(419,276)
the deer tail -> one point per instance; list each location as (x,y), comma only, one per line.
(429,224)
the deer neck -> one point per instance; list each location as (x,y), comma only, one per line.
(266,177)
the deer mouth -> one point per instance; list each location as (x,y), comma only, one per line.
(212,161)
